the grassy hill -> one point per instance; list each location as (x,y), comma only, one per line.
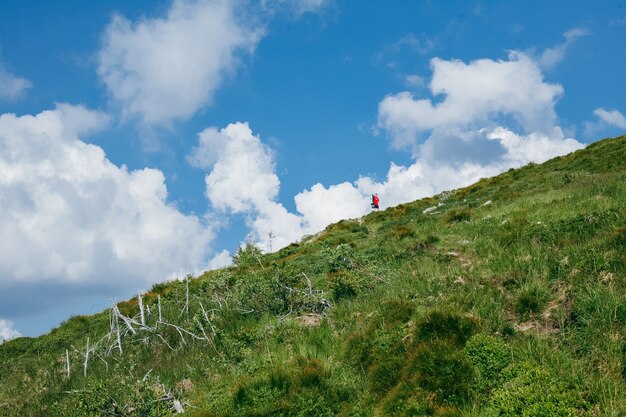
(505,298)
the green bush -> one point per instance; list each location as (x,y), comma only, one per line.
(341,258)
(532,391)
(489,355)
(346,285)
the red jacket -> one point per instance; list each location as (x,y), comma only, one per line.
(375,200)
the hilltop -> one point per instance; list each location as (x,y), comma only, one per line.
(504,298)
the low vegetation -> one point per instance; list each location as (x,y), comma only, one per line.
(505,298)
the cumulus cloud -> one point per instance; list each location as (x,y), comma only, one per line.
(70,216)
(7,330)
(166,68)
(552,56)
(611,117)
(12,87)
(606,119)
(242,179)
(473,95)
(221,260)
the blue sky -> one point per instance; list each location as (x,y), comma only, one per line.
(142,140)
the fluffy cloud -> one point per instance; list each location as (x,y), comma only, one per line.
(468,133)
(11,86)
(552,56)
(221,260)
(242,177)
(489,116)
(611,117)
(606,120)
(167,68)
(70,216)
(7,331)
(474,95)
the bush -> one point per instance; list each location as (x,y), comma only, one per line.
(532,391)
(405,400)
(384,375)
(247,256)
(489,355)
(345,285)
(340,258)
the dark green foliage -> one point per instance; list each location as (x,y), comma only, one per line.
(384,375)
(443,370)
(346,285)
(446,326)
(489,355)
(458,215)
(341,258)
(531,299)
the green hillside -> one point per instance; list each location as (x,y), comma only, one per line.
(505,298)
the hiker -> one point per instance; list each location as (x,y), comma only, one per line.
(375,201)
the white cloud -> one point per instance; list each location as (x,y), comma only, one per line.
(414,81)
(606,119)
(242,177)
(12,87)
(552,56)
(473,95)
(7,330)
(221,260)
(611,117)
(71,216)
(295,7)
(166,68)
(322,206)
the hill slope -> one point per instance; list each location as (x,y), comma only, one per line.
(504,298)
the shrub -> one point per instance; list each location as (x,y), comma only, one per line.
(346,285)
(489,355)
(340,258)
(532,391)
(405,400)
(247,256)
(311,371)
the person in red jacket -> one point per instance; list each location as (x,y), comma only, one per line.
(375,201)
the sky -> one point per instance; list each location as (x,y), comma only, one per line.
(142,141)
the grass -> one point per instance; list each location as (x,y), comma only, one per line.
(516,307)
